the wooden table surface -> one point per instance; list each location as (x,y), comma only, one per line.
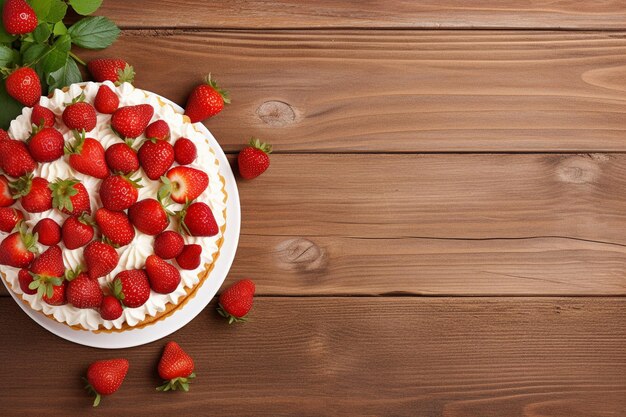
(442,231)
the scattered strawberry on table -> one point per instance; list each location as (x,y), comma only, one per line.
(105,377)
(115,70)
(236,301)
(254,159)
(206,100)
(176,368)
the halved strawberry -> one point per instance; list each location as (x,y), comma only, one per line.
(87,156)
(70,196)
(34,193)
(183,184)
(130,122)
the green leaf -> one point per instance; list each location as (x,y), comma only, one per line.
(64,76)
(58,9)
(42,33)
(85,7)
(94,32)
(57,56)
(59,29)
(33,53)
(8,56)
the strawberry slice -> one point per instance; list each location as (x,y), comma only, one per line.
(183,184)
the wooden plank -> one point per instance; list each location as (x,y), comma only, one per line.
(398,91)
(568,14)
(353,356)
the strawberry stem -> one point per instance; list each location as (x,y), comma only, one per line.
(77,59)
(231,319)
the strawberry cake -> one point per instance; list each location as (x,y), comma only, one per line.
(112,207)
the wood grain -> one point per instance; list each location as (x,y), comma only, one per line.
(397,91)
(610,14)
(353,356)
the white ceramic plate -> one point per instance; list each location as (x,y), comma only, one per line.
(192,308)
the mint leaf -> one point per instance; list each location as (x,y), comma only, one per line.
(58,9)
(41,8)
(42,33)
(8,56)
(85,7)
(10,108)
(64,76)
(57,55)
(59,29)
(94,32)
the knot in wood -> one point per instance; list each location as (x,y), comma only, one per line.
(276,113)
(579,169)
(301,255)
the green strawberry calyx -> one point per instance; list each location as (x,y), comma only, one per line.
(21,186)
(78,99)
(257,144)
(91,390)
(126,75)
(177,384)
(231,319)
(116,290)
(44,284)
(213,84)
(62,191)
(77,147)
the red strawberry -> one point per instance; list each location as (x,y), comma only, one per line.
(18,249)
(131,287)
(42,116)
(190,258)
(82,291)
(114,70)
(4,135)
(183,184)
(35,193)
(115,226)
(24,86)
(148,216)
(254,160)
(106,377)
(158,130)
(70,196)
(18,17)
(87,157)
(6,197)
(25,278)
(168,244)
(48,276)
(15,159)
(46,145)
(176,368)
(121,158)
(131,121)
(77,232)
(185,151)
(106,100)
(118,192)
(79,115)
(9,218)
(206,100)
(101,258)
(236,301)
(110,308)
(156,157)
(197,220)
(48,232)
(164,277)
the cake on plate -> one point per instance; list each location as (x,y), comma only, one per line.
(118,220)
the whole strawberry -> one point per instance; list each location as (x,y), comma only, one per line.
(176,368)
(183,184)
(111,308)
(115,226)
(130,122)
(206,100)
(168,244)
(79,115)
(158,130)
(106,101)
(115,70)
(18,249)
(101,258)
(121,159)
(48,276)
(106,377)
(190,257)
(9,218)
(18,17)
(82,291)
(131,287)
(6,196)
(148,216)
(185,151)
(42,116)
(197,220)
(77,232)
(35,193)
(48,232)
(254,159)
(156,157)
(164,277)
(46,145)
(24,278)
(87,156)
(119,192)
(236,301)
(15,159)
(70,196)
